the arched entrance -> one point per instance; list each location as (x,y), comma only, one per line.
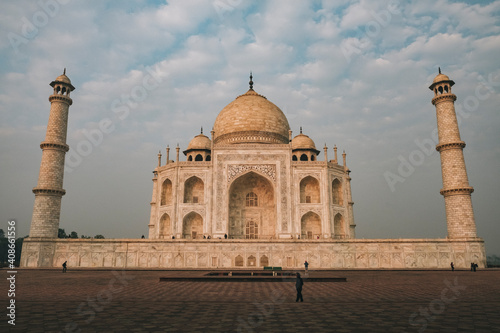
(338,226)
(192,226)
(252,210)
(310,226)
(165,227)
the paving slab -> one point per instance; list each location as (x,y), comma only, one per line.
(136,301)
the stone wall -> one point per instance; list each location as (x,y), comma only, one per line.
(227,253)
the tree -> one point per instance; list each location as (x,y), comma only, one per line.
(2,234)
(61,233)
(99,237)
(73,234)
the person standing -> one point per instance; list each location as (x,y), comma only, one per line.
(306,265)
(452,266)
(64,267)
(298,285)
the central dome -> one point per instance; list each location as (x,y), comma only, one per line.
(251,118)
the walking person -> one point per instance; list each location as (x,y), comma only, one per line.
(306,265)
(64,267)
(452,266)
(298,285)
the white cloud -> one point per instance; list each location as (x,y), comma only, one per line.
(375,106)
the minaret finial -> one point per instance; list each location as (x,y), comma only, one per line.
(439,70)
(201,130)
(251,82)
(64,72)
(300,129)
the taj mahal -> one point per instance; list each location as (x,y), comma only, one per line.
(251,195)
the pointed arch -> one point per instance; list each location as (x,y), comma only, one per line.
(194,190)
(310,225)
(166,192)
(309,190)
(238,261)
(259,216)
(198,158)
(304,157)
(165,228)
(338,226)
(192,226)
(294,158)
(337,193)
(264,260)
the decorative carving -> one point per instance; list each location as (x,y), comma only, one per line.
(233,170)
(187,210)
(282,177)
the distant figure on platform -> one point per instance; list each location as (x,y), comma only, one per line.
(471,266)
(475,266)
(452,266)
(298,285)
(143,237)
(225,236)
(306,265)
(64,267)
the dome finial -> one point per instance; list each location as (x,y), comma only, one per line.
(251,82)
(300,129)
(439,68)
(64,72)
(201,132)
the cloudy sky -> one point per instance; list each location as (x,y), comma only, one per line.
(351,73)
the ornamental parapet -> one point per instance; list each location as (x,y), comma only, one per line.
(444,98)
(251,137)
(451,145)
(49,191)
(61,98)
(457,191)
(54,145)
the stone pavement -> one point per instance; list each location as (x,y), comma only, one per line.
(370,301)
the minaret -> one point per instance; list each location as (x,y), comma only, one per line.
(456,189)
(49,191)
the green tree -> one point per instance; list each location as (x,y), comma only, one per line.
(61,233)
(73,234)
(2,234)
(99,237)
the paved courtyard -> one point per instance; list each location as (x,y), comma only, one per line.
(370,301)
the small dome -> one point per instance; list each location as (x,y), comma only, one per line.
(200,142)
(63,78)
(441,77)
(251,118)
(302,141)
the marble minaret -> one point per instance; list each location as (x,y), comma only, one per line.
(456,189)
(49,191)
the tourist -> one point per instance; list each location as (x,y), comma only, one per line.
(471,266)
(225,236)
(298,285)
(64,267)
(452,266)
(474,266)
(306,265)
(143,237)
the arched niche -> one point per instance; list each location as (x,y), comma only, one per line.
(251,203)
